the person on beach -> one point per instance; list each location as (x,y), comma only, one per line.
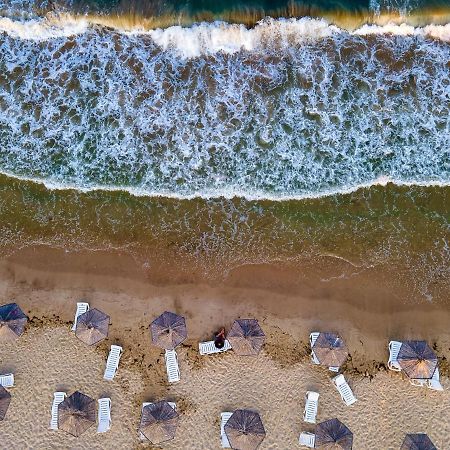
(219,340)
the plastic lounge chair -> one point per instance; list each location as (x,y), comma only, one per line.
(58,397)
(394,349)
(208,348)
(172,404)
(418,382)
(223,421)
(344,389)
(434,382)
(311,405)
(7,380)
(104,415)
(112,363)
(307,439)
(173,370)
(81,309)
(312,339)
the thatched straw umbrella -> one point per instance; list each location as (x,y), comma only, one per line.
(76,414)
(417,359)
(168,330)
(12,321)
(333,435)
(417,442)
(5,399)
(246,337)
(330,350)
(245,430)
(92,326)
(159,422)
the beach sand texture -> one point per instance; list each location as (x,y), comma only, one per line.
(50,358)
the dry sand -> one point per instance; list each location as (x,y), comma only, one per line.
(49,357)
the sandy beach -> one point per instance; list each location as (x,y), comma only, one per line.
(46,283)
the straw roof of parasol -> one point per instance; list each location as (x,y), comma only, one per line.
(417,359)
(12,321)
(168,330)
(92,326)
(333,435)
(76,414)
(246,337)
(330,350)
(5,399)
(159,422)
(245,430)
(417,442)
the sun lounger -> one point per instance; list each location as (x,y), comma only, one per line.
(312,339)
(394,349)
(104,415)
(307,439)
(208,348)
(81,309)
(7,380)
(344,389)
(311,405)
(58,397)
(112,363)
(223,421)
(418,382)
(434,382)
(173,371)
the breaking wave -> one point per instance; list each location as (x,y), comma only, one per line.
(288,109)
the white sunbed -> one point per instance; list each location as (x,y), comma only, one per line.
(344,389)
(418,382)
(223,421)
(173,370)
(307,439)
(209,348)
(104,415)
(312,340)
(81,309)
(172,404)
(311,405)
(7,380)
(394,349)
(58,397)
(434,382)
(112,363)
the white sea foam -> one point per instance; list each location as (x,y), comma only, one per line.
(290,109)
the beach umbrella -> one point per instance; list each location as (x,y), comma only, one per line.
(417,359)
(246,337)
(12,321)
(330,350)
(5,399)
(159,422)
(418,441)
(333,435)
(92,326)
(245,430)
(76,414)
(168,330)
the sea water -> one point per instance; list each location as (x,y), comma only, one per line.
(228,144)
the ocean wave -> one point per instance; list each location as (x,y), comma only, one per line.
(289,109)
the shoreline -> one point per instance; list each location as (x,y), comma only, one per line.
(361,306)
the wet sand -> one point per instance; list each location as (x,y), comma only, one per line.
(289,303)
